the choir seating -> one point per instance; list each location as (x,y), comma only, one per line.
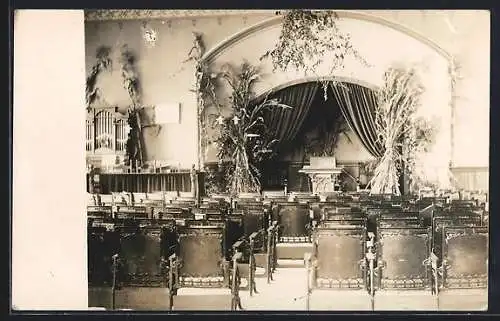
(337,269)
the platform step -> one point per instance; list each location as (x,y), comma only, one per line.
(293,251)
(288,263)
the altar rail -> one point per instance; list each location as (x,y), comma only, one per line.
(142,182)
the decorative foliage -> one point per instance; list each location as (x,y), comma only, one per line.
(103,63)
(243,138)
(308,38)
(132,85)
(401,133)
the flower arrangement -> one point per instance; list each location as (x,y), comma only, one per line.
(402,134)
(243,139)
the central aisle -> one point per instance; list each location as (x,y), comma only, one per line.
(286,292)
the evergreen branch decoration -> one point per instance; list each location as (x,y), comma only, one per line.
(309,38)
(103,63)
(402,134)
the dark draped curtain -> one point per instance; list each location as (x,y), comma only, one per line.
(286,123)
(357,104)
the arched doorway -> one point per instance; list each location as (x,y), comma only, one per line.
(334,121)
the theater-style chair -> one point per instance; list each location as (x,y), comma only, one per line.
(440,221)
(200,274)
(294,233)
(403,268)
(103,243)
(141,282)
(254,249)
(337,268)
(463,273)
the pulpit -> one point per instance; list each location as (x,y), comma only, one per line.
(322,172)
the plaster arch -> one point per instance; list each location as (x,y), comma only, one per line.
(383,44)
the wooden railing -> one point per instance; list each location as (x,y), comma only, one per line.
(471,178)
(141,182)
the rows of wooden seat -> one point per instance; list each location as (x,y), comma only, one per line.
(252,225)
(386,247)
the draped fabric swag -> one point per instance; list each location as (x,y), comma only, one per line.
(286,123)
(357,104)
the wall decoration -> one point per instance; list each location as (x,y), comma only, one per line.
(103,63)
(167,113)
(131,83)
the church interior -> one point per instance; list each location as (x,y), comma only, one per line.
(297,160)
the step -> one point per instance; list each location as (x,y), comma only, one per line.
(293,251)
(289,263)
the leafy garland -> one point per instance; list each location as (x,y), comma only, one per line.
(307,39)
(244,139)
(402,134)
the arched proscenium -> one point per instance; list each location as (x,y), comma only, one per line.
(211,55)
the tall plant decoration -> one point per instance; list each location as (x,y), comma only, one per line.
(103,63)
(307,39)
(243,138)
(401,133)
(131,83)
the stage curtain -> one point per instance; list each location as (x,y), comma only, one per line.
(357,104)
(286,123)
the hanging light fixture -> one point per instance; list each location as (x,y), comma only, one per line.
(149,35)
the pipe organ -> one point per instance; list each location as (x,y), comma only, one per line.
(106,134)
